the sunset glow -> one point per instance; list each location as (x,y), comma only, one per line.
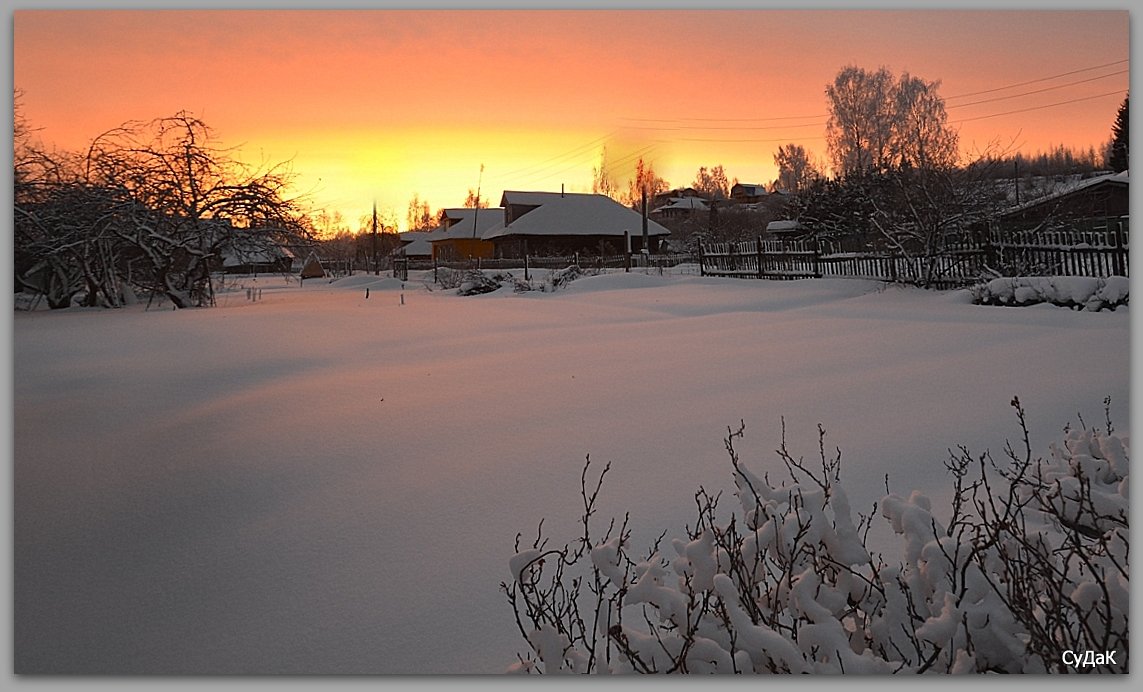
(379,105)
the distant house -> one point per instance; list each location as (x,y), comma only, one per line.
(558,223)
(680,207)
(1077,205)
(418,244)
(256,258)
(462,233)
(748,193)
(662,198)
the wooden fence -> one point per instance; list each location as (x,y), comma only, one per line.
(402,265)
(1096,253)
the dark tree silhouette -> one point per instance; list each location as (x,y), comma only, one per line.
(1117,158)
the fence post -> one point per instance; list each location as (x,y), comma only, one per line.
(627,252)
(526,277)
(758,249)
(702,267)
(817,259)
(1120,253)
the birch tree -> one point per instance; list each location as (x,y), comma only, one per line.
(878,121)
(795,169)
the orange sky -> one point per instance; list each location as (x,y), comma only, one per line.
(381,104)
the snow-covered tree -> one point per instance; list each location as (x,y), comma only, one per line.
(187,202)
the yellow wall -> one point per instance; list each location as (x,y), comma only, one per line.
(462,248)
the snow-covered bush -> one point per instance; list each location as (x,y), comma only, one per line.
(560,278)
(1029,572)
(1077,292)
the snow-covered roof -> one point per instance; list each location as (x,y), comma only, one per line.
(413,236)
(572,214)
(1121,178)
(237,256)
(418,247)
(684,203)
(784,225)
(461,222)
(751,188)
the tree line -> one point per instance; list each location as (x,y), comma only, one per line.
(156,206)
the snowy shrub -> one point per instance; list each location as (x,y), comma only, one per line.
(1077,292)
(1029,572)
(560,278)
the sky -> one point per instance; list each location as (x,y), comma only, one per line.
(376,106)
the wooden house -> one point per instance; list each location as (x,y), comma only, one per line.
(747,193)
(1078,206)
(462,231)
(565,223)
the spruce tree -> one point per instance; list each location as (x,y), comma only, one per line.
(1117,156)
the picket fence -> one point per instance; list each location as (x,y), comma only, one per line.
(1097,253)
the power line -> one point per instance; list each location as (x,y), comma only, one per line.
(1035,81)
(571,152)
(1036,108)
(1038,91)
(946,99)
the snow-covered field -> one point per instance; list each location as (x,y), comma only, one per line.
(320,482)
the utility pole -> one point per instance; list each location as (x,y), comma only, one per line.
(476,213)
(376,269)
(646,245)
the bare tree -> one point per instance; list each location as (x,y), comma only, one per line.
(795,169)
(860,128)
(602,182)
(922,137)
(420,216)
(712,182)
(878,121)
(645,182)
(188,203)
(474,200)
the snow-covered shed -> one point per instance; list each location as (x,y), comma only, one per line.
(312,268)
(786,228)
(564,223)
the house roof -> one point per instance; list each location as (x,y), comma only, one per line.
(462,220)
(418,243)
(782,225)
(571,213)
(685,203)
(750,188)
(413,236)
(238,254)
(1116,179)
